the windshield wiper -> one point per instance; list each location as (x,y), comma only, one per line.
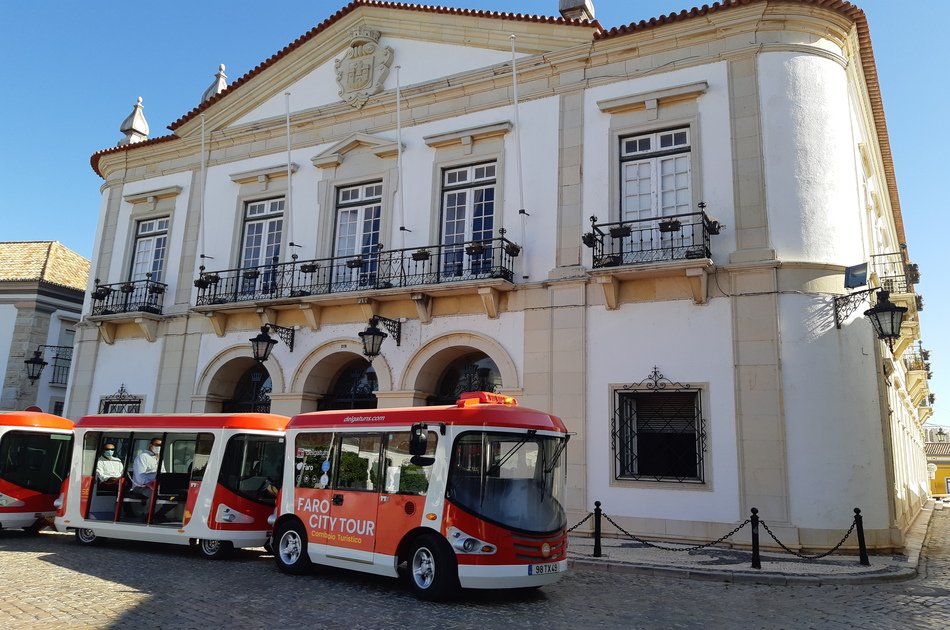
(556,456)
(496,467)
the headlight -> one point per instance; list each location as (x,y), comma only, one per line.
(463,543)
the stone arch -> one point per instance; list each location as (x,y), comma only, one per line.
(220,376)
(330,358)
(425,367)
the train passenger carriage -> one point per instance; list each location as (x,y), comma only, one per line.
(34,457)
(469,495)
(210,479)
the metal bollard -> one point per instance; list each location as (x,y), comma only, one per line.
(756,560)
(862,547)
(597,513)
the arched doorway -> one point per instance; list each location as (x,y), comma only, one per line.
(354,388)
(472,372)
(251,393)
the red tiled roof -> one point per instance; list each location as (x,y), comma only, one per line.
(46,261)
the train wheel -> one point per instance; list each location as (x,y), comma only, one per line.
(86,536)
(215,549)
(433,571)
(290,548)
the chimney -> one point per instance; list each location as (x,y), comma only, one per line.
(577,10)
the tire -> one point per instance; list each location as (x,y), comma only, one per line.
(433,570)
(290,548)
(36,527)
(215,549)
(85,536)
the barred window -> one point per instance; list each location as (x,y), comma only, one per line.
(659,434)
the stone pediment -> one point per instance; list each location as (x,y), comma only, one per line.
(333,156)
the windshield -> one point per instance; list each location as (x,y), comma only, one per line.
(515,480)
(36,461)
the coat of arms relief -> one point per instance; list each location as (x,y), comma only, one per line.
(360,73)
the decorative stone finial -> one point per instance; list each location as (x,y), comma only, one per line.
(220,84)
(135,127)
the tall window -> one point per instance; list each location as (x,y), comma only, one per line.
(151,243)
(358,210)
(659,435)
(655,174)
(263,226)
(468,214)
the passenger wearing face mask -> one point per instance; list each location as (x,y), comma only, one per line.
(145,467)
(108,467)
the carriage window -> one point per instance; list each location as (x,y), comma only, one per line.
(252,467)
(402,476)
(312,460)
(359,462)
(202,455)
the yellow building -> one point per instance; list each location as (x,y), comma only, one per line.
(938,462)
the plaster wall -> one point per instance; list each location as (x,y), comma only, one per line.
(809,145)
(7,322)
(688,344)
(131,362)
(415,59)
(836,456)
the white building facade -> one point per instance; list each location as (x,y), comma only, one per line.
(648,245)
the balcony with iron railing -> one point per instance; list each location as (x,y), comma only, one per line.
(653,240)
(374,270)
(895,275)
(133,296)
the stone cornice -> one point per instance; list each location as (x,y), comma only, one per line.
(150,196)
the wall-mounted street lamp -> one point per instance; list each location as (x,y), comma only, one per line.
(372,337)
(262,344)
(885,316)
(35,365)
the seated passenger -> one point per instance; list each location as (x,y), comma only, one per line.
(145,467)
(108,467)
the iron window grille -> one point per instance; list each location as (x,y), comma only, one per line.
(658,431)
(120,402)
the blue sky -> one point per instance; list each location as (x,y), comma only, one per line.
(72,71)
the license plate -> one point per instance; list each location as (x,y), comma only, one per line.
(543,569)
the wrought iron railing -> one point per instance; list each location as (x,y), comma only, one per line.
(62,359)
(917,359)
(644,241)
(373,270)
(134,296)
(895,275)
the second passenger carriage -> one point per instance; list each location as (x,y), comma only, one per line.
(209,479)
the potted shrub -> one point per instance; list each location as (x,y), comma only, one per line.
(589,239)
(355,263)
(421,254)
(512,249)
(620,231)
(476,248)
(156,289)
(670,225)
(309,267)
(252,274)
(201,283)
(101,293)
(128,287)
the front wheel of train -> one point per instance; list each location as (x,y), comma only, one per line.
(290,548)
(215,549)
(86,536)
(433,570)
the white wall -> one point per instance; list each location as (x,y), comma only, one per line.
(130,362)
(832,416)
(7,322)
(809,149)
(688,343)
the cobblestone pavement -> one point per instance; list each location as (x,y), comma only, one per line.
(50,581)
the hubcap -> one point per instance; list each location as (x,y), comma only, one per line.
(423,568)
(210,546)
(87,535)
(289,547)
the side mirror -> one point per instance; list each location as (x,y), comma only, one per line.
(418,439)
